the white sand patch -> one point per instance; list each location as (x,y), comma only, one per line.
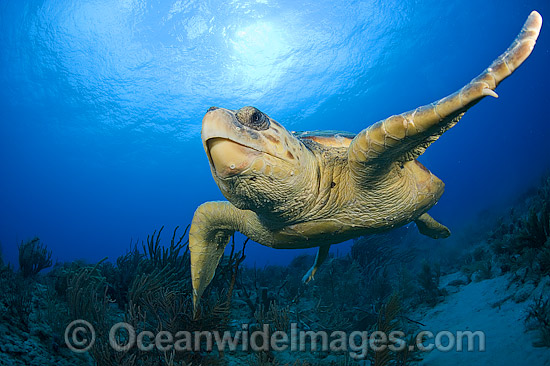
(471,309)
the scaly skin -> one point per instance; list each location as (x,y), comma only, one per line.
(289,192)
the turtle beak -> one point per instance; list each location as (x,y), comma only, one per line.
(229,158)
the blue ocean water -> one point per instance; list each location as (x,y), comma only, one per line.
(101,103)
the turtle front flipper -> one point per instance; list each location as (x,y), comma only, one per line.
(211,228)
(429,227)
(322,254)
(406,136)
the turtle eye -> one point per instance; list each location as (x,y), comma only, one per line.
(253,118)
(256,117)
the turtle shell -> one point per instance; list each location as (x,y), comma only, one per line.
(330,138)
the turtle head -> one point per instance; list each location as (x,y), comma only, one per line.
(257,164)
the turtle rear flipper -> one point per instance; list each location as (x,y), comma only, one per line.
(404,137)
(322,254)
(429,227)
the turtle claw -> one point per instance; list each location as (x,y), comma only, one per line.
(489,92)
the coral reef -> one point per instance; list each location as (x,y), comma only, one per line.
(523,240)
(519,246)
(149,289)
(16,297)
(29,323)
(428,278)
(382,284)
(155,296)
(539,315)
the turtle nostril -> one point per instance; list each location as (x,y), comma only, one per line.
(211,109)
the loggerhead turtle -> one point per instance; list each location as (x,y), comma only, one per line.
(291,190)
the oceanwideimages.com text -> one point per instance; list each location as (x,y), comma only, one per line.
(80,337)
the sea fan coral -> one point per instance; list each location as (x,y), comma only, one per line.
(33,257)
